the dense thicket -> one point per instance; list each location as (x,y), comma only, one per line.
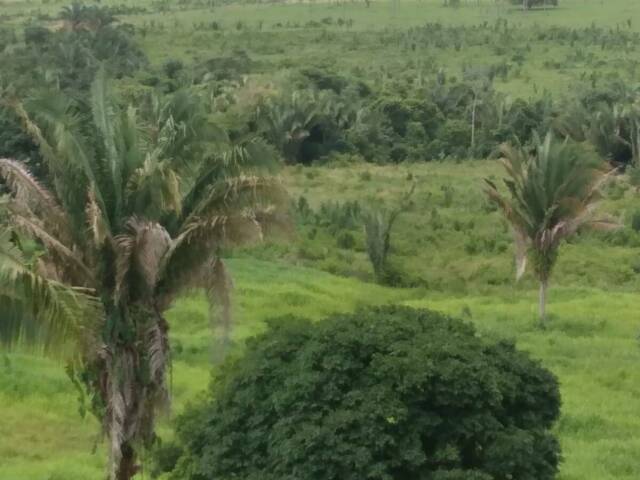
(385,393)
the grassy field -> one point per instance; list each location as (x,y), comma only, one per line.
(371,42)
(594,353)
(591,344)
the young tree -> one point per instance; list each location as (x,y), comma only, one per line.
(377,228)
(553,192)
(129,214)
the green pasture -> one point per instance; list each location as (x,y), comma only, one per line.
(372,42)
(591,343)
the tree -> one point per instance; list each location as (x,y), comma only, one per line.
(377,228)
(304,124)
(384,393)
(553,190)
(131,211)
(77,17)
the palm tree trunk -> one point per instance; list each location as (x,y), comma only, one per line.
(542,303)
(127,467)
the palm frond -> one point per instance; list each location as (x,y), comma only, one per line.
(31,196)
(34,131)
(39,312)
(69,261)
(97,222)
(552,192)
(140,250)
(105,118)
(153,189)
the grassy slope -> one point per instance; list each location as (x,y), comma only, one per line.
(455,245)
(41,433)
(591,344)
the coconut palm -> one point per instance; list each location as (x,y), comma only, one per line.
(130,213)
(553,190)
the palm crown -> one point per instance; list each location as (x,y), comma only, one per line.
(553,191)
(130,212)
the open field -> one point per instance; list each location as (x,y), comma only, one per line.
(593,352)
(591,343)
(385,38)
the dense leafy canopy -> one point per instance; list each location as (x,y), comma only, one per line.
(385,393)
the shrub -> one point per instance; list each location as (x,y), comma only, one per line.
(336,216)
(172,68)
(346,240)
(386,393)
(635,221)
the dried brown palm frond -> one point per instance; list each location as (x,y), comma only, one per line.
(97,224)
(68,262)
(28,194)
(219,288)
(140,250)
(37,310)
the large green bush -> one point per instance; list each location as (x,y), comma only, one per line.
(386,393)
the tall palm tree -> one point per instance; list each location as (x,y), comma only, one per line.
(130,213)
(553,190)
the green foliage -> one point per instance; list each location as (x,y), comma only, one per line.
(345,240)
(552,193)
(68,57)
(378,224)
(387,392)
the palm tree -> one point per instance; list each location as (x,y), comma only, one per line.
(553,191)
(130,213)
(288,121)
(77,17)
(378,225)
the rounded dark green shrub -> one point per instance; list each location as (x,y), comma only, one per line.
(387,393)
